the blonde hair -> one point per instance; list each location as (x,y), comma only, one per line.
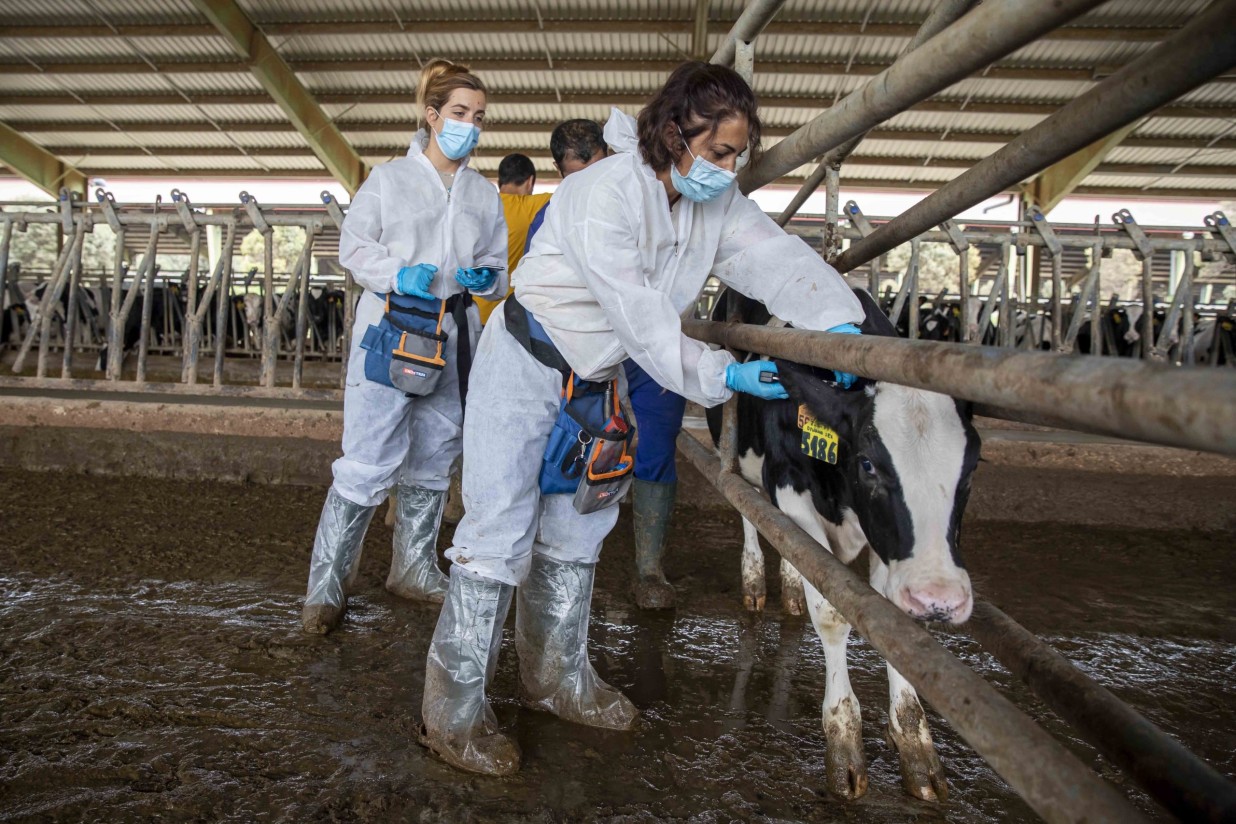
(441,77)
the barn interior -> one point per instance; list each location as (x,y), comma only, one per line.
(977,166)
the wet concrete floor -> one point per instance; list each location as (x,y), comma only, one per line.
(151,666)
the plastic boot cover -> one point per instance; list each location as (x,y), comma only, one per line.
(551,636)
(414,558)
(459,724)
(653,507)
(336,549)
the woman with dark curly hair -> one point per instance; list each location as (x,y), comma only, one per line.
(623,253)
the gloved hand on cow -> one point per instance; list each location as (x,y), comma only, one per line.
(758,378)
(844,379)
(415,280)
(478,278)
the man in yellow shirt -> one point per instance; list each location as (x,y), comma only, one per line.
(516,177)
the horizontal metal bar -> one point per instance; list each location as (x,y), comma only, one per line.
(1050,778)
(1187,786)
(1204,47)
(187,390)
(1145,401)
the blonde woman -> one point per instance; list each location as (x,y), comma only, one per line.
(423,235)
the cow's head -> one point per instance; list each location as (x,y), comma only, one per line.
(907,456)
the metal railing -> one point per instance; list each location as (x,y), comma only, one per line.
(1142,399)
(281,319)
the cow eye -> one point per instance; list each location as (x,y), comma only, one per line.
(867,465)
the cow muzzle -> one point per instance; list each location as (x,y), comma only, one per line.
(939,599)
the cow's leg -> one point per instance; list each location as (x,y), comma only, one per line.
(907,731)
(753,589)
(845,766)
(792,598)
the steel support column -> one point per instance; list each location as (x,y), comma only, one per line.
(1201,49)
(754,18)
(39,166)
(282,84)
(1057,181)
(990,32)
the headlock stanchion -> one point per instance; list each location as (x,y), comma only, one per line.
(1050,778)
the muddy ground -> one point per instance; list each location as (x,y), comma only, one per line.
(151,666)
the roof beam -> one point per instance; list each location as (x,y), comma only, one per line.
(497,153)
(282,85)
(655,65)
(581,98)
(1058,180)
(849,184)
(499,127)
(37,165)
(681,25)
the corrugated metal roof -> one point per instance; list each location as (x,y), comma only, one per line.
(1099,55)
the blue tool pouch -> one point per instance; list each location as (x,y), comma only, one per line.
(587,450)
(405,350)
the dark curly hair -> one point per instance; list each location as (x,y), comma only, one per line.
(696,97)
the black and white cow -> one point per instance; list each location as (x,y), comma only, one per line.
(899,485)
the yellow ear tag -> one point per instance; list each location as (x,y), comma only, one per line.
(818,441)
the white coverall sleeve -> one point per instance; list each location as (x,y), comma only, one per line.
(360,249)
(759,259)
(491,250)
(603,248)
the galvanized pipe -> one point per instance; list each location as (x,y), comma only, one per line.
(115,333)
(1119,397)
(1187,786)
(1204,47)
(754,18)
(223,313)
(192,326)
(70,314)
(1050,778)
(270,332)
(143,340)
(349,317)
(302,310)
(5,242)
(1147,320)
(993,30)
(51,297)
(1057,298)
(944,13)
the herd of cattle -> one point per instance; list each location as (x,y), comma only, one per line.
(1214,337)
(244,317)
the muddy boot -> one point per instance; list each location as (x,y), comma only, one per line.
(414,558)
(459,724)
(336,553)
(551,636)
(454,500)
(653,506)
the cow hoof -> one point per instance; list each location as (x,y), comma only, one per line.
(845,770)
(753,603)
(922,776)
(319,619)
(654,593)
(795,604)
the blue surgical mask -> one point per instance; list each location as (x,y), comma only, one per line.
(704,181)
(457,138)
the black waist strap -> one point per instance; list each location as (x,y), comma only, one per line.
(458,305)
(531,335)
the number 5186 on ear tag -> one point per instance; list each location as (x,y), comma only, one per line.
(818,441)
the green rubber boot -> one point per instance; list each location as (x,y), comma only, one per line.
(654,505)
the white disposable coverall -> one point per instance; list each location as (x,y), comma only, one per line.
(612,269)
(609,274)
(401,216)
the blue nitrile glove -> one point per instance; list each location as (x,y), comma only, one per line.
(476,279)
(844,379)
(415,280)
(746,377)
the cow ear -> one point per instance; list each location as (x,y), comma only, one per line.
(813,387)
